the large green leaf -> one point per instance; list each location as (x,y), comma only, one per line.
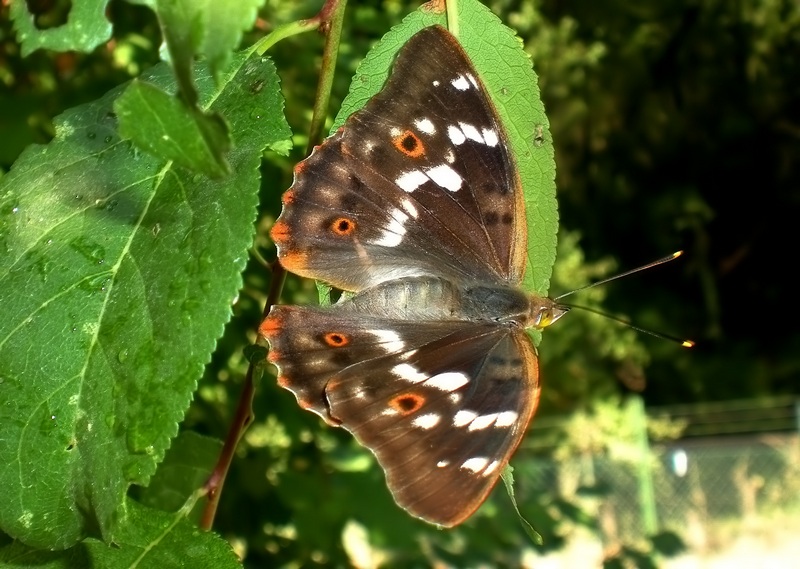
(117,272)
(152,538)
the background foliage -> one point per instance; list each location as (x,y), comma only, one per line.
(675,127)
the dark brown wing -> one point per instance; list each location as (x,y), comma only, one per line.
(418,182)
(442,405)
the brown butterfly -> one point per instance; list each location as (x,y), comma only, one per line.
(415,205)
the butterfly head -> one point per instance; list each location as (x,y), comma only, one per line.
(545,311)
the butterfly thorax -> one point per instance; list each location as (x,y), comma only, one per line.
(442,299)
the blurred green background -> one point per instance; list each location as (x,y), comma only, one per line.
(676,126)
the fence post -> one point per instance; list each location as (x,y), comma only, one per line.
(797,414)
(647,500)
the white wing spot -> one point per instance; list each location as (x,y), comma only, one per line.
(409,206)
(445,177)
(436,83)
(409,373)
(456,136)
(490,137)
(471,132)
(410,181)
(389,412)
(472,80)
(390,339)
(393,235)
(426,126)
(460,83)
(482,422)
(450,157)
(506,419)
(394,132)
(427,421)
(390,238)
(448,381)
(475,464)
(491,468)
(442,463)
(464,417)
(455,398)
(399,216)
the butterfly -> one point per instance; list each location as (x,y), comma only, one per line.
(415,206)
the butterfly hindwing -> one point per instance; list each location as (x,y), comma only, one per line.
(441,404)
(310,345)
(418,182)
(443,423)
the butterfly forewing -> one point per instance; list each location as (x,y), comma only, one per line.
(420,181)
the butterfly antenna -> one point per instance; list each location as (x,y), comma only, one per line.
(663,336)
(661,261)
(667,259)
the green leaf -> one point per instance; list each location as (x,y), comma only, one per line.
(86,28)
(668,543)
(117,274)
(204,27)
(149,538)
(164,126)
(179,128)
(186,467)
(508,481)
(506,72)
(226,23)
(183,23)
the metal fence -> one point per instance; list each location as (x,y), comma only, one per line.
(702,484)
(729,485)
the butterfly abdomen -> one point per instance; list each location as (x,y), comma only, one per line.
(410,298)
(440,299)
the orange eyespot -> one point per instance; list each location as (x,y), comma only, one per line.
(409,144)
(336,339)
(407,403)
(343,226)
